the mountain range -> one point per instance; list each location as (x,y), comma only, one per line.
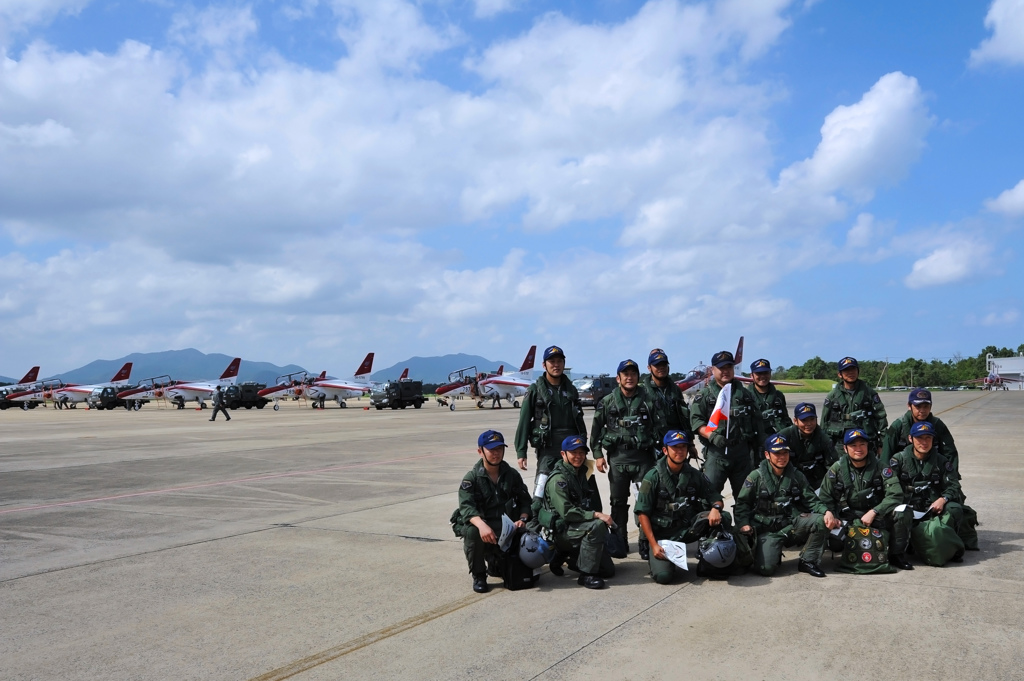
(191,365)
(436,369)
(181,365)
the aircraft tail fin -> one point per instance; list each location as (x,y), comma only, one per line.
(232,370)
(739,351)
(501,369)
(124,374)
(367,365)
(530,356)
(31,376)
(323,374)
(405,374)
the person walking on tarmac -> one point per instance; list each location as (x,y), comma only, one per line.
(853,404)
(218,405)
(624,429)
(770,401)
(727,457)
(670,410)
(550,413)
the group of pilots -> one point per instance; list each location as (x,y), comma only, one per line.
(849,481)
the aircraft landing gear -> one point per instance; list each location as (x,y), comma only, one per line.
(451,407)
(515,404)
(277,407)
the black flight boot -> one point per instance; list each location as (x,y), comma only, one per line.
(900,561)
(480,583)
(590,581)
(810,568)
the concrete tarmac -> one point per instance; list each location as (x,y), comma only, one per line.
(315,544)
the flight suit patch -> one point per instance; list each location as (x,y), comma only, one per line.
(748,484)
(949,465)
(562,484)
(831,475)
(886,472)
(467,485)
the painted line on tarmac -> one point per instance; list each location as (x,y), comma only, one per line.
(236,481)
(307,663)
(957,406)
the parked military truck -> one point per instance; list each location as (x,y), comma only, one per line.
(245,395)
(106,398)
(398,395)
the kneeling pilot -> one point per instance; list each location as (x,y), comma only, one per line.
(571,511)
(777,503)
(490,490)
(676,502)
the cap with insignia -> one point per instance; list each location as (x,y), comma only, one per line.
(919,396)
(854,434)
(675,437)
(922,428)
(553,351)
(760,365)
(572,443)
(722,359)
(489,439)
(804,410)
(848,363)
(627,364)
(776,444)
(657,357)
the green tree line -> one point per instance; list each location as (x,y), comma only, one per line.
(910,372)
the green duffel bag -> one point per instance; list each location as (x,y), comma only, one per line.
(936,541)
(967,528)
(865,550)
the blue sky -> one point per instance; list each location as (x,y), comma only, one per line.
(304,181)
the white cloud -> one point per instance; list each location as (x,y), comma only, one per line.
(868,144)
(1005,19)
(214,27)
(959,259)
(16,15)
(1010,203)
(488,8)
(1003,318)
(301,188)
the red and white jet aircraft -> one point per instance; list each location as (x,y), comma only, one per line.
(465,382)
(994,381)
(70,395)
(184,391)
(37,393)
(699,376)
(289,386)
(338,390)
(508,387)
(26,381)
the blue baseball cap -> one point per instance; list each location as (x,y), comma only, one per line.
(675,437)
(776,443)
(760,365)
(920,396)
(722,359)
(657,357)
(922,428)
(854,434)
(572,443)
(490,439)
(627,364)
(848,363)
(805,410)
(553,351)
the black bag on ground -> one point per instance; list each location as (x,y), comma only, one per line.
(615,545)
(514,573)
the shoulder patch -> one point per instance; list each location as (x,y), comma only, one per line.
(949,465)
(562,484)
(876,398)
(706,478)
(467,485)
(886,472)
(893,462)
(826,402)
(748,483)
(831,475)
